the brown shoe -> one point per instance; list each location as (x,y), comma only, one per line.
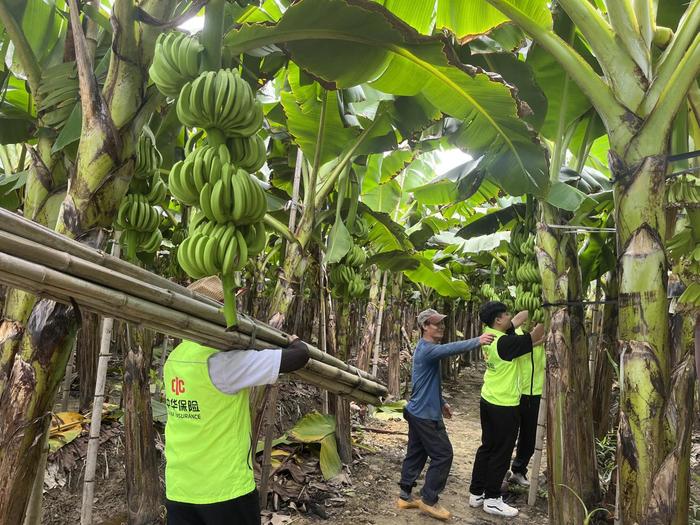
(404,504)
(436,511)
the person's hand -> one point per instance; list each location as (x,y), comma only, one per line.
(520,318)
(486,339)
(447,411)
(537,334)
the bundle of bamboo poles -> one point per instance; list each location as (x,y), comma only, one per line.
(41,261)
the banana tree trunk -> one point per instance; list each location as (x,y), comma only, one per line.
(142,479)
(571,460)
(87,349)
(370,323)
(654,413)
(606,355)
(294,265)
(37,338)
(342,407)
(394,339)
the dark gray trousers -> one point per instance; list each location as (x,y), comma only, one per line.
(426,439)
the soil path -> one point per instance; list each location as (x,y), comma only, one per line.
(372,495)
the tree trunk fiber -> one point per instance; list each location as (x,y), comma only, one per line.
(606,355)
(394,342)
(87,351)
(342,410)
(142,479)
(571,460)
(370,324)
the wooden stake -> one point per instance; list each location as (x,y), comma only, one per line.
(539,440)
(97,406)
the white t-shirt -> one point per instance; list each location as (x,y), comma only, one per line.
(238,369)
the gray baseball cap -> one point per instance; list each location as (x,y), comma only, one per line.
(429,315)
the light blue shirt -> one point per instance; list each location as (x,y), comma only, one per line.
(426,396)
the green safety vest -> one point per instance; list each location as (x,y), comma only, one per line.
(208,433)
(531,370)
(501,380)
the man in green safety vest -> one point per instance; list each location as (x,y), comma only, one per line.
(209,472)
(499,407)
(531,369)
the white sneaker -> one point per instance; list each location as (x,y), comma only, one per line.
(519,479)
(476,501)
(496,507)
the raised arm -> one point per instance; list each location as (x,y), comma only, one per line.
(458,347)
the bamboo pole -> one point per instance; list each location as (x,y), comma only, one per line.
(109,302)
(97,406)
(343,377)
(98,267)
(67,381)
(539,440)
(380,319)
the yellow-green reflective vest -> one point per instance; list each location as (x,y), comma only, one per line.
(531,370)
(208,433)
(501,382)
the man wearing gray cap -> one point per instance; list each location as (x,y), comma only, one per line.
(427,436)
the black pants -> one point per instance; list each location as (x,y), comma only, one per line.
(244,510)
(426,439)
(499,426)
(529,408)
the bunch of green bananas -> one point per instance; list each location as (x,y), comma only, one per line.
(140,224)
(355,257)
(148,158)
(488,292)
(346,281)
(213,248)
(220,100)
(176,61)
(138,218)
(685,189)
(208,179)
(523,271)
(248,153)
(57,94)
(360,228)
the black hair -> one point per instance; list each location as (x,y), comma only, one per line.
(490,311)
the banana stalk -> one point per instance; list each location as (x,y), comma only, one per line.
(570,427)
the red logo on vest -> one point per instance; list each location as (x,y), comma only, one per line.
(177,385)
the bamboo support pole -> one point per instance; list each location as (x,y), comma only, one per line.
(539,440)
(65,394)
(48,248)
(96,419)
(339,375)
(108,302)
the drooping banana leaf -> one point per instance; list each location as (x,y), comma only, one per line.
(350,43)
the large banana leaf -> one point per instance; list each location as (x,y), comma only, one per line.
(320,428)
(437,278)
(352,43)
(492,222)
(467,19)
(303,109)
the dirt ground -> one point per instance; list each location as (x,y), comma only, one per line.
(371,497)
(368,495)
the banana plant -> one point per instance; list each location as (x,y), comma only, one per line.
(41,333)
(647,71)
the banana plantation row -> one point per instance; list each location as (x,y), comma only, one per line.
(308,154)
